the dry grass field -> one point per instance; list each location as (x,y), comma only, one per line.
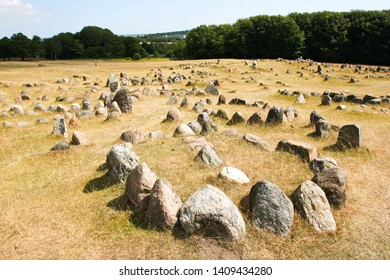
(48,212)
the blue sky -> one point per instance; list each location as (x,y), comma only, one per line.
(46,18)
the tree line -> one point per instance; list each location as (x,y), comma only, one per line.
(345,37)
(91,42)
(361,37)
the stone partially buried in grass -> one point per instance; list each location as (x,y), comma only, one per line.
(208,156)
(333,182)
(234,175)
(79,138)
(270,208)
(257,141)
(303,150)
(211,213)
(311,202)
(61,146)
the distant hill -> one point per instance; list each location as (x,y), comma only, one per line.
(172,34)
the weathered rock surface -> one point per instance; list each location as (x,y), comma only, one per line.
(211,89)
(323,128)
(270,208)
(163,206)
(133,136)
(257,141)
(334,183)
(59,128)
(275,116)
(61,146)
(303,150)
(211,213)
(79,138)
(350,136)
(311,202)
(183,130)
(255,119)
(208,156)
(123,98)
(319,164)
(237,118)
(139,183)
(120,162)
(234,175)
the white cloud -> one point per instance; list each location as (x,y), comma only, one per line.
(16,12)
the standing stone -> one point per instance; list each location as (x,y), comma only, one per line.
(270,208)
(237,118)
(184,103)
(208,156)
(163,206)
(257,141)
(211,89)
(311,202)
(223,114)
(16,110)
(319,164)
(120,162)
(275,116)
(59,128)
(173,99)
(350,136)
(173,115)
(112,78)
(315,117)
(303,150)
(221,99)
(334,183)
(203,117)
(211,213)
(289,113)
(123,98)
(234,175)
(326,100)
(208,127)
(255,119)
(74,121)
(323,128)
(86,105)
(139,183)
(114,86)
(79,138)
(183,130)
(300,99)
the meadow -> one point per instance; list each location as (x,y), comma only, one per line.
(47,210)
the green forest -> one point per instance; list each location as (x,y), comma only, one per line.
(361,37)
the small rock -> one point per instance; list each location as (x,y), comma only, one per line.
(223,114)
(79,138)
(350,136)
(319,164)
(237,118)
(234,175)
(61,146)
(211,89)
(257,141)
(275,116)
(183,130)
(323,128)
(173,115)
(333,182)
(255,119)
(208,156)
(59,128)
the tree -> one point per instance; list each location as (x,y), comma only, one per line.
(20,46)
(53,48)
(5,48)
(37,49)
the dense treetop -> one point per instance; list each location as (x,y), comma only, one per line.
(352,37)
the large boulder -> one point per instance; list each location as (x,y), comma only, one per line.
(255,119)
(333,182)
(237,118)
(270,208)
(139,183)
(183,130)
(257,141)
(163,206)
(304,151)
(120,162)
(275,116)
(123,98)
(234,175)
(79,138)
(209,156)
(323,128)
(350,136)
(211,89)
(319,164)
(173,115)
(211,213)
(311,202)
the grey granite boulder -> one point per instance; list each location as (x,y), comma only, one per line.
(120,162)
(303,150)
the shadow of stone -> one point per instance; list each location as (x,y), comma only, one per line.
(334,148)
(98,184)
(120,203)
(312,134)
(244,205)
(137,218)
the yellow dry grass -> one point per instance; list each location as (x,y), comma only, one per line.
(47,214)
